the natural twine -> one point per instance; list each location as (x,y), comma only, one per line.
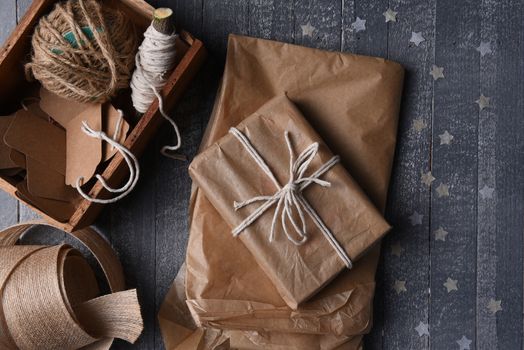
(83,51)
(155,59)
(129,157)
(289,198)
(49,296)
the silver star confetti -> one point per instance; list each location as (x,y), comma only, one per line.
(443,190)
(440,234)
(437,72)
(486,192)
(400,286)
(494,306)
(483,101)
(445,138)
(427,178)
(416,219)
(359,25)
(419,125)
(390,15)
(396,249)
(422,329)
(416,38)
(307,29)
(451,284)
(464,343)
(484,48)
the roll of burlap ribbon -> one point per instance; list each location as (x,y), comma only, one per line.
(49,296)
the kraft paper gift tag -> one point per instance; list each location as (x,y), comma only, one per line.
(299,267)
(5,151)
(84,153)
(38,139)
(352,101)
(45,182)
(18,158)
(57,209)
(60,109)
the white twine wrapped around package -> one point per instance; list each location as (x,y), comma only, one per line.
(290,196)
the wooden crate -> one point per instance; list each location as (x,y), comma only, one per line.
(16,51)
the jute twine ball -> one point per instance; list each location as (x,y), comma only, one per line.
(83,51)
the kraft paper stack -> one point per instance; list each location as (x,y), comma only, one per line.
(352,102)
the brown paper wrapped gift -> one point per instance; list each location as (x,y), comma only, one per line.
(305,254)
(353,102)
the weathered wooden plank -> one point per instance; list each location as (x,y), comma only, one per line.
(500,152)
(372,41)
(406,248)
(172,183)
(452,312)
(133,235)
(272,19)
(318,24)
(8,205)
(487,337)
(172,191)
(7,19)
(22,6)
(219,19)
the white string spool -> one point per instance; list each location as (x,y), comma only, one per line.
(154,62)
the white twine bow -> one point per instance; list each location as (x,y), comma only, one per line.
(289,198)
(129,157)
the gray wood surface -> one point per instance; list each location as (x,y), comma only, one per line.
(483,250)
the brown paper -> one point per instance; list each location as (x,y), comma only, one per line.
(18,158)
(45,182)
(226,172)
(350,100)
(25,134)
(180,332)
(84,153)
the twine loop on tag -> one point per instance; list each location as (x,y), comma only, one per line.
(129,157)
(289,198)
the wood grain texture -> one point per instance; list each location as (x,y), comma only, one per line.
(8,20)
(272,19)
(133,234)
(408,195)
(374,41)
(484,247)
(326,19)
(499,255)
(452,314)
